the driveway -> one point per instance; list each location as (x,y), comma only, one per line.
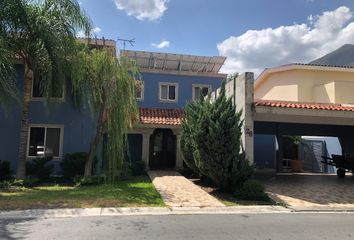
(312,190)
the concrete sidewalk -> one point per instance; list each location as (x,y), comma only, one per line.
(86,212)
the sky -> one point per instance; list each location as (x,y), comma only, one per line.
(252,34)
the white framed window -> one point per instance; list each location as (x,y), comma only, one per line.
(45,140)
(139,90)
(37,92)
(200,90)
(168,92)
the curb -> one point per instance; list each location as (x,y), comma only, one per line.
(124,211)
(321,210)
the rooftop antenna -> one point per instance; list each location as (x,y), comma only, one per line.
(131,41)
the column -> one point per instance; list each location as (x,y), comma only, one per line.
(244,102)
(146,147)
(179,156)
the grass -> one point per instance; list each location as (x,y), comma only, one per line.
(137,192)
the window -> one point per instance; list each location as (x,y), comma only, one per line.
(37,91)
(139,90)
(169,92)
(200,90)
(45,140)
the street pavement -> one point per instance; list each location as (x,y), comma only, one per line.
(262,226)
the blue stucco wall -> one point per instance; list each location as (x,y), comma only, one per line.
(185,93)
(79,126)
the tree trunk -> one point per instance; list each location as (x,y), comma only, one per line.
(22,155)
(96,140)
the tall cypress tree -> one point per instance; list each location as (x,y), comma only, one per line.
(211,141)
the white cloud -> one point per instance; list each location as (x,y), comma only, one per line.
(143,9)
(94,32)
(257,49)
(162,44)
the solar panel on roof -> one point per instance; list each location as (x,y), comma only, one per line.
(177,62)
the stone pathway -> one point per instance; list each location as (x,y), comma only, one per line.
(178,191)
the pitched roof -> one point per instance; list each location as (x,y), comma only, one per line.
(303,105)
(298,66)
(161,116)
(322,65)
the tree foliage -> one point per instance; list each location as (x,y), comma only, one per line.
(41,35)
(108,85)
(211,141)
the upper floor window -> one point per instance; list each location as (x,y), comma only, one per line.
(45,140)
(200,90)
(38,94)
(139,90)
(169,92)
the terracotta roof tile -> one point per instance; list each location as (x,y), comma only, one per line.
(302,105)
(161,116)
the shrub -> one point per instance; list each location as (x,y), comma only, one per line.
(138,168)
(211,141)
(40,168)
(73,164)
(5,171)
(88,181)
(29,182)
(251,190)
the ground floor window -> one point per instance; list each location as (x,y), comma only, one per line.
(45,140)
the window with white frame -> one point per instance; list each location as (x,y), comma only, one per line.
(200,90)
(139,90)
(38,91)
(169,92)
(45,140)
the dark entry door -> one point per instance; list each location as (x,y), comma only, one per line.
(162,149)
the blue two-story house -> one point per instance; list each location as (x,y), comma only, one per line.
(168,82)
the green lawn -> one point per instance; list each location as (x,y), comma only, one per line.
(138,192)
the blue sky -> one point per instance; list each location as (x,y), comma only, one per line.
(252,34)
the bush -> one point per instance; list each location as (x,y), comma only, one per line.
(5,172)
(251,190)
(73,164)
(40,168)
(138,168)
(88,181)
(29,182)
(211,141)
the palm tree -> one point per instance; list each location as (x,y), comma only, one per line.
(42,35)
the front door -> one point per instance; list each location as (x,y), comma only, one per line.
(162,149)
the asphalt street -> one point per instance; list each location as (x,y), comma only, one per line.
(273,226)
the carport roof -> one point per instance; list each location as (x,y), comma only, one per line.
(303,105)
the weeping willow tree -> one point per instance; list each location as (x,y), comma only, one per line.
(108,86)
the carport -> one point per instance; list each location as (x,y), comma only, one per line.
(279,118)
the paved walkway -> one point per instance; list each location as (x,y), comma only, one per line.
(178,191)
(312,190)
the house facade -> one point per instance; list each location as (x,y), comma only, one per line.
(168,83)
(297,100)
(58,126)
